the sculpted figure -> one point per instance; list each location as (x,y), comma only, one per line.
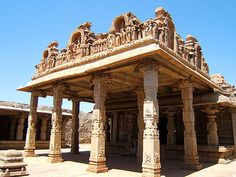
(139,31)
(134,32)
(123,36)
(161,34)
(128,33)
(118,39)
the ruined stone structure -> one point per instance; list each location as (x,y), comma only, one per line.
(14,123)
(152,92)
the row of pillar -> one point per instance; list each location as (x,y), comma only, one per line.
(149,150)
(56,131)
(148,106)
(18,124)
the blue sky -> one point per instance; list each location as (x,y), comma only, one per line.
(27,27)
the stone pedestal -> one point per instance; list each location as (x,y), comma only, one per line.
(43,132)
(212,136)
(54,155)
(11,164)
(75,126)
(151,166)
(31,130)
(97,160)
(140,100)
(190,141)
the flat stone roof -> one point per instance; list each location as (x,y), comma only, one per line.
(7,105)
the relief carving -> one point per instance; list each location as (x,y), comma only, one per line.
(125,29)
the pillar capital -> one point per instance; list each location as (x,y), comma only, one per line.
(211,110)
(233,111)
(170,112)
(138,91)
(148,65)
(183,84)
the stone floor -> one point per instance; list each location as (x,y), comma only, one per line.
(119,166)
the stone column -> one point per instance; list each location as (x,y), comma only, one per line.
(20,127)
(233,115)
(114,127)
(12,132)
(212,136)
(55,137)
(31,130)
(43,132)
(190,141)
(140,100)
(171,129)
(97,160)
(75,126)
(151,166)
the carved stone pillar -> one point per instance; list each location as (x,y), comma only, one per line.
(171,128)
(212,136)
(233,115)
(43,129)
(151,145)
(190,141)
(114,127)
(12,132)
(20,128)
(97,160)
(55,137)
(31,130)
(75,126)
(140,100)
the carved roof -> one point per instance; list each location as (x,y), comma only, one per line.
(84,45)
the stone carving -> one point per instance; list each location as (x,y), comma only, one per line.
(193,54)
(125,29)
(11,164)
(220,80)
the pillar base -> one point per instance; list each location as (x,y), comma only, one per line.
(194,167)
(29,153)
(151,172)
(97,167)
(55,158)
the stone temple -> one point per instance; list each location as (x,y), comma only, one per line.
(152,91)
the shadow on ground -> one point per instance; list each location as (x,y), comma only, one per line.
(170,168)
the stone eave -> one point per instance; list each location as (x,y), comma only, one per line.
(147,47)
(199,100)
